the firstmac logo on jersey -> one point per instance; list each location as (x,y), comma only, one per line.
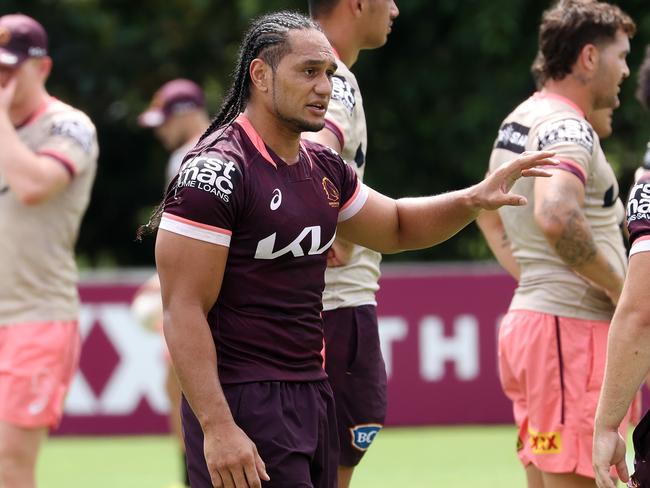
(638,206)
(573,131)
(343,92)
(210,174)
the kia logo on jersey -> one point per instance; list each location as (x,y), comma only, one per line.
(265,246)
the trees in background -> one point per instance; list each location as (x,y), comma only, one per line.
(434,96)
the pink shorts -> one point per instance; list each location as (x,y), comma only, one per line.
(37,364)
(552,369)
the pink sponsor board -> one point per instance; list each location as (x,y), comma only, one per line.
(438,328)
(439,336)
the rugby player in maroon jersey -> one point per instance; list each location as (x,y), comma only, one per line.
(241,252)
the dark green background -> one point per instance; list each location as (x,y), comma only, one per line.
(434,96)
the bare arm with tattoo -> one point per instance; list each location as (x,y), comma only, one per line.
(559,215)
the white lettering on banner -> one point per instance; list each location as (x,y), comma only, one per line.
(139,374)
(436,349)
(391,329)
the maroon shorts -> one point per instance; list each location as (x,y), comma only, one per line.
(293,426)
(357,373)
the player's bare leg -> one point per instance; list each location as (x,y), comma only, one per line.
(534,477)
(570,480)
(18,452)
(345,476)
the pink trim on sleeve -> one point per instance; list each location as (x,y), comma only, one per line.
(571,167)
(354,203)
(254,137)
(65,162)
(641,244)
(195,230)
(337,130)
(197,224)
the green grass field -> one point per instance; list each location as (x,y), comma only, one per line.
(413,458)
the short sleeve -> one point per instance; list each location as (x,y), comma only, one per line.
(341,107)
(353,193)
(572,140)
(203,201)
(72,141)
(638,216)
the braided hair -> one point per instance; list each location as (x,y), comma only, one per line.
(266,39)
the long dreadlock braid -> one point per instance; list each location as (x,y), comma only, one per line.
(267,39)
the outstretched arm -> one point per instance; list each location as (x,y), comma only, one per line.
(390,226)
(191,272)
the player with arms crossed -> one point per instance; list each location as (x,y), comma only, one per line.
(47,167)
(241,253)
(567,245)
(353,360)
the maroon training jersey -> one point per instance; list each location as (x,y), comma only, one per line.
(279,221)
(638,215)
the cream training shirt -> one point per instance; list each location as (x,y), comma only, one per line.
(354,284)
(37,265)
(551,122)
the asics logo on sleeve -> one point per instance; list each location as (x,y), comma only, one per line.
(276,201)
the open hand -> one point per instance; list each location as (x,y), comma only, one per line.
(493,191)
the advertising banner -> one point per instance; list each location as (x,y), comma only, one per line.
(438,329)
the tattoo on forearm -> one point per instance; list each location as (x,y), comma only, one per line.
(505,242)
(576,245)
